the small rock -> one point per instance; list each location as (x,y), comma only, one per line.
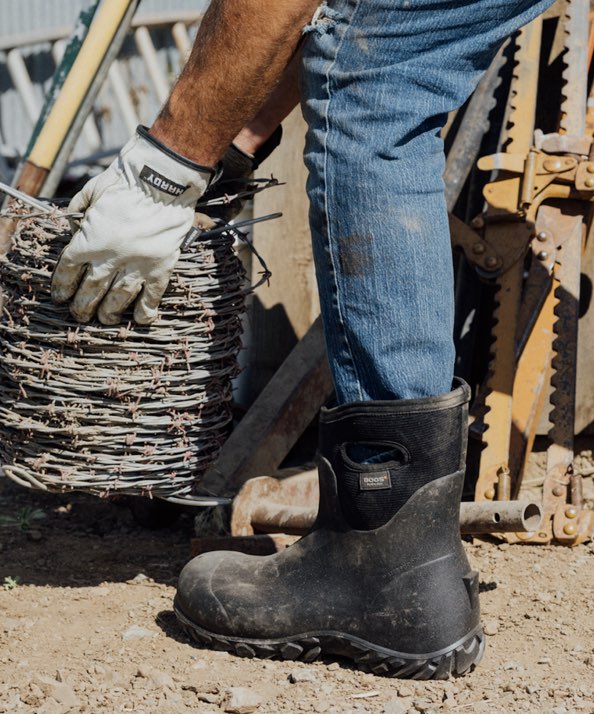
(333,666)
(543,660)
(366,695)
(140,578)
(321,707)
(10,624)
(530,689)
(302,675)
(449,702)
(394,706)
(208,697)
(405,691)
(50,706)
(135,632)
(241,700)
(491,627)
(510,665)
(59,691)
(536,568)
(199,686)
(559,710)
(34,535)
(160,679)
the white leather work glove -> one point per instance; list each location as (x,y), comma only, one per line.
(136,216)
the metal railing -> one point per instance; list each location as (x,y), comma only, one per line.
(137,83)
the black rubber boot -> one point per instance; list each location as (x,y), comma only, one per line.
(382,578)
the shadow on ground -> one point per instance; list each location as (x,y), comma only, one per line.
(78,540)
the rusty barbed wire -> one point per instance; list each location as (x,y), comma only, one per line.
(126,409)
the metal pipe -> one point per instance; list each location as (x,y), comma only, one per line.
(24,86)
(478,517)
(182,41)
(123,101)
(282,518)
(155,19)
(29,200)
(148,53)
(475,517)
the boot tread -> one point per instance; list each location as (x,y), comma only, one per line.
(458,660)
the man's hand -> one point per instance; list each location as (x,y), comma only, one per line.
(236,167)
(137,214)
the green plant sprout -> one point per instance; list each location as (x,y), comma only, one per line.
(23,519)
(11,583)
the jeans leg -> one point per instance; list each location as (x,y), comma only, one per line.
(378,79)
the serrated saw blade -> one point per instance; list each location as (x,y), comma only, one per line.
(521,109)
(566,274)
(576,27)
(560,453)
(516,138)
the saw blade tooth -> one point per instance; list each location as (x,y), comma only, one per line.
(519,124)
(561,416)
(495,335)
(555,360)
(499,382)
(566,276)
(510,133)
(574,87)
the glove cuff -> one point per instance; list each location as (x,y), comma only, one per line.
(144,133)
(163,174)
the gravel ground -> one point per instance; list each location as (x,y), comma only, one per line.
(86,626)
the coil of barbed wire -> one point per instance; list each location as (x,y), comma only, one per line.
(130,409)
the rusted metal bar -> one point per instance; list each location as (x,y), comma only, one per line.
(290,505)
(283,518)
(475,517)
(499,517)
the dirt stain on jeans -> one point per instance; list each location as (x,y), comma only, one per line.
(355,255)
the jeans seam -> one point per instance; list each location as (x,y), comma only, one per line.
(328,228)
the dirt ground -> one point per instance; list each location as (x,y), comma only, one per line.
(86,625)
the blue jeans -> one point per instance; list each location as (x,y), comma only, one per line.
(378,80)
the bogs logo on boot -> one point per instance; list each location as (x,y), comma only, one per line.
(375,481)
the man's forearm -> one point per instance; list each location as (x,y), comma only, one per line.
(240,52)
(281,102)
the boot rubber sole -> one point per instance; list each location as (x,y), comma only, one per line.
(457,659)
